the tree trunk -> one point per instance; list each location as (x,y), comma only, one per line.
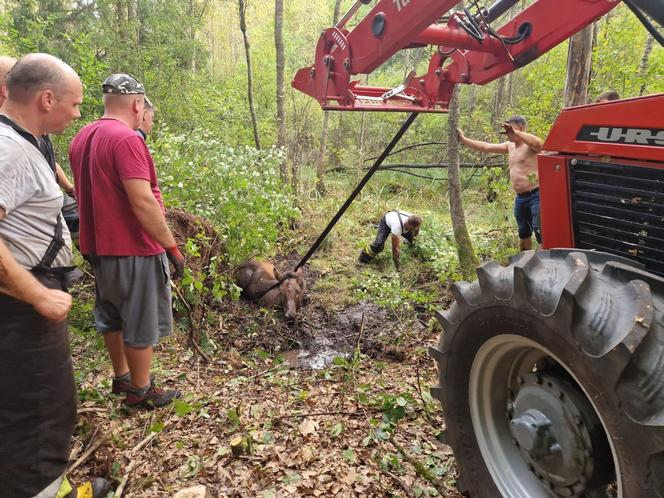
(510,89)
(643,65)
(192,37)
(579,63)
(242,8)
(322,151)
(281,113)
(498,101)
(467,258)
(363,125)
(502,87)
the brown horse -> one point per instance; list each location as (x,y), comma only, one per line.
(261,282)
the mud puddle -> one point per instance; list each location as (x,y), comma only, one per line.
(327,334)
(312,359)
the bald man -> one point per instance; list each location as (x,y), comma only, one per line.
(38,405)
(6,63)
(124,235)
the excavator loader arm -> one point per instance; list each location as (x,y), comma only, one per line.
(469,49)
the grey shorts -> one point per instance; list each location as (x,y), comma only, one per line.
(133,294)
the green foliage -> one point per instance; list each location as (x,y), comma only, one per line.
(389,291)
(436,247)
(193,466)
(238,189)
(394,408)
(206,285)
(336,430)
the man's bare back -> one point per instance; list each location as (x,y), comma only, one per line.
(523,167)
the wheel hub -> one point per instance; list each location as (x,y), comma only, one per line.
(552,425)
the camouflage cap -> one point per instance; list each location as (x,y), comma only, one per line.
(122,84)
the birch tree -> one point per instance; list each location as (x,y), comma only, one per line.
(467,258)
(242,10)
(280,61)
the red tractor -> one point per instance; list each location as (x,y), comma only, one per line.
(551,369)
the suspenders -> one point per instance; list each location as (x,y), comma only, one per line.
(399,215)
(57,242)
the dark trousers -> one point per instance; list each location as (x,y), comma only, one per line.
(366,255)
(527,214)
(37,398)
(383,233)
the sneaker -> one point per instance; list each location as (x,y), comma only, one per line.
(154,397)
(123,386)
(97,488)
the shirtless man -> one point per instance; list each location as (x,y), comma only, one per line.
(522,149)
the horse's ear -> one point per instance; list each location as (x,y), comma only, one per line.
(277,274)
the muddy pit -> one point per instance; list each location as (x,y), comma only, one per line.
(327,334)
(319,334)
(323,334)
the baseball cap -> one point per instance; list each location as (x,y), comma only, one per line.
(122,84)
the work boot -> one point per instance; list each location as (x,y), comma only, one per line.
(150,397)
(364,257)
(97,488)
(122,384)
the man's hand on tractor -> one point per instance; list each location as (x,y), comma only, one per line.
(53,305)
(177,259)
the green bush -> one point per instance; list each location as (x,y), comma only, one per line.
(237,189)
(389,291)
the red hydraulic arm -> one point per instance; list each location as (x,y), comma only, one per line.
(469,49)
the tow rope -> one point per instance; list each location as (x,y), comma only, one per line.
(358,189)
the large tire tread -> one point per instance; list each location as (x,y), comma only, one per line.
(609,308)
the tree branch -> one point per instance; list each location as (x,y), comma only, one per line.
(395,166)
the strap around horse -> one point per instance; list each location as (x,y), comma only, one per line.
(274,286)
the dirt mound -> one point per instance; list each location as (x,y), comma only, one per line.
(186,226)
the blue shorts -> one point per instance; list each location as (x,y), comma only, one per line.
(527,214)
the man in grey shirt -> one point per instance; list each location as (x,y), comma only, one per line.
(38,406)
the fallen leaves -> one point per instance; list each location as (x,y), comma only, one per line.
(299,433)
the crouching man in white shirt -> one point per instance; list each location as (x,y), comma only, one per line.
(396,224)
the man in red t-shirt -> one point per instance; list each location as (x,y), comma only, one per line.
(124,235)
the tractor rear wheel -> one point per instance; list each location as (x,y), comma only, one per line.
(551,378)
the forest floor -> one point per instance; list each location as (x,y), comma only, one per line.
(337,404)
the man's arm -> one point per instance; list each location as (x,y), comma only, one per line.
(396,250)
(19,283)
(152,220)
(482,146)
(63,181)
(534,143)
(148,211)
